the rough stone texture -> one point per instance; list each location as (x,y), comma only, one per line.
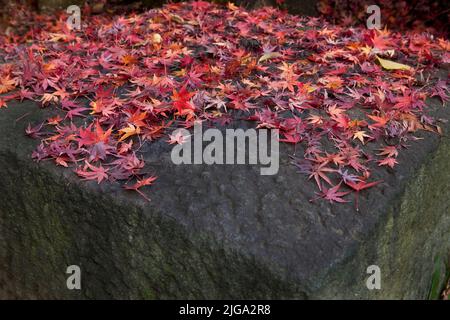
(218,231)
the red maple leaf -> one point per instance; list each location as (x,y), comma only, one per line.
(361,185)
(141,183)
(333,195)
(90,136)
(181,101)
(390,162)
(91,172)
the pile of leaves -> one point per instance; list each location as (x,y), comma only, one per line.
(406,16)
(349,98)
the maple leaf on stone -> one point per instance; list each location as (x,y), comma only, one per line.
(49,98)
(359,186)
(333,194)
(129,131)
(102,106)
(380,121)
(360,135)
(408,101)
(180,100)
(354,94)
(319,171)
(91,172)
(91,136)
(315,119)
(348,177)
(96,140)
(124,148)
(331,82)
(105,60)
(291,138)
(129,59)
(6,85)
(62,161)
(177,138)
(26,94)
(194,78)
(75,112)
(335,111)
(141,183)
(380,42)
(388,151)
(137,118)
(390,162)
(54,121)
(440,90)
(34,132)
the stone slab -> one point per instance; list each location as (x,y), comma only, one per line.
(218,232)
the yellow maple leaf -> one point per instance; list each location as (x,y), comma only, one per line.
(366,50)
(360,135)
(49,97)
(180,73)
(129,131)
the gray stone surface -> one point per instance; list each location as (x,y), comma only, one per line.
(218,231)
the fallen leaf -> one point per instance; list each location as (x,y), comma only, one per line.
(391,65)
(268,56)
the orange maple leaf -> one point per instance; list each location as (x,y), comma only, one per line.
(6,85)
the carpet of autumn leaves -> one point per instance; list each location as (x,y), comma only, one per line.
(332,91)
